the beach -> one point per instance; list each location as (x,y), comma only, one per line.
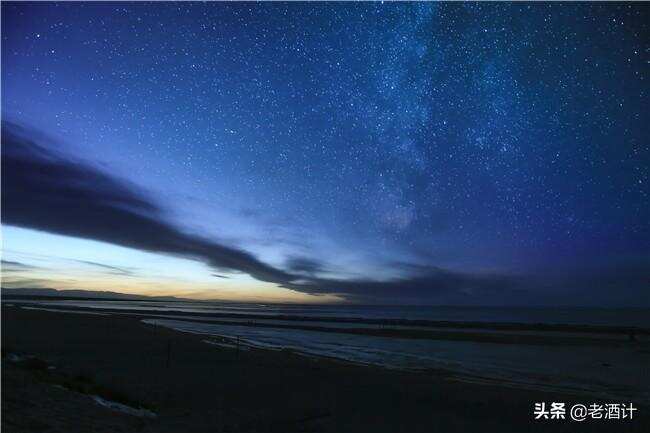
(193,386)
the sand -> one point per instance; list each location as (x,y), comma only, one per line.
(197,387)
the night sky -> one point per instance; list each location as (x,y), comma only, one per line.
(465,154)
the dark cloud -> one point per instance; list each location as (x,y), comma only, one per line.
(435,286)
(19,282)
(303,265)
(11,266)
(116,270)
(45,191)
(625,284)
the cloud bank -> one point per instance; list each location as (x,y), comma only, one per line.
(47,191)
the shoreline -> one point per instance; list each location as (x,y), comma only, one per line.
(234,343)
(220,389)
(498,332)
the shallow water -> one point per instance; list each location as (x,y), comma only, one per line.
(617,372)
(561,315)
(606,370)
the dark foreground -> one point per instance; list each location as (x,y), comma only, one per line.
(196,387)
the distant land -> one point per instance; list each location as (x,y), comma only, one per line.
(32,293)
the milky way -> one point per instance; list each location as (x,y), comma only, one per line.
(366,149)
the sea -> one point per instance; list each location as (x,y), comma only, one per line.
(598,352)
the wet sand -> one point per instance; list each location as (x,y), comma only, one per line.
(198,387)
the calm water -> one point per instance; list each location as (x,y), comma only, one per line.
(574,316)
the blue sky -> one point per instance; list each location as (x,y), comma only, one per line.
(391,153)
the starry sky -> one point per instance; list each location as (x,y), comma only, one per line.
(412,153)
